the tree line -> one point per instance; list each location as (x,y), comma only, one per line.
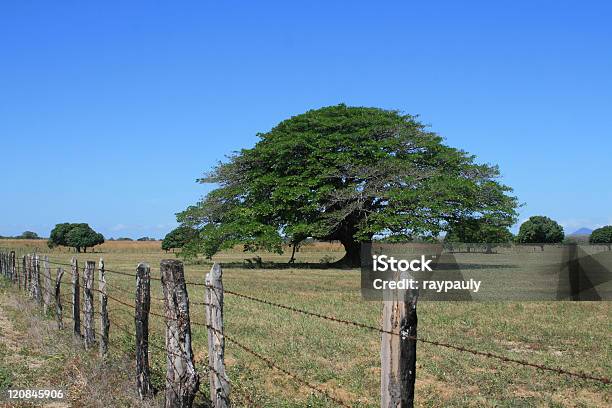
(24,235)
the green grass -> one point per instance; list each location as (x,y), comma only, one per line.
(345,360)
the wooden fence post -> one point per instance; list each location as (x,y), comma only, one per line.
(182,380)
(76,296)
(37,285)
(398,352)
(12,266)
(219,383)
(30,276)
(26,274)
(88,280)
(104,322)
(19,273)
(58,298)
(47,281)
(141,319)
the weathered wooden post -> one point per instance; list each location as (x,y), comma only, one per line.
(26,273)
(141,319)
(47,282)
(104,322)
(30,276)
(37,285)
(58,298)
(88,278)
(219,383)
(12,266)
(19,273)
(398,351)
(182,380)
(76,297)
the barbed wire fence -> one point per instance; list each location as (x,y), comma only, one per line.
(184,377)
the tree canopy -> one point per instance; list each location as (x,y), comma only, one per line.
(540,230)
(177,238)
(79,235)
(602,235)
(347,174)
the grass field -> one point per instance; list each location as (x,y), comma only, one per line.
(343,359)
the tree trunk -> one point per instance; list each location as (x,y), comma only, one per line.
(352,257)
(292,260)
(78,249)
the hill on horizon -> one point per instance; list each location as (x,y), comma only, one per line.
(582,231)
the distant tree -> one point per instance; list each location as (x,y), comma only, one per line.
(602,235)
(28,235)
(177,238)
(74,235)
(540,230)
(146,239)
(124,239)
(478,231)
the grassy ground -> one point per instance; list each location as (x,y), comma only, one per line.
(345,359)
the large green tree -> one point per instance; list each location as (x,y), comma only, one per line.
(76,235)
(602,235)
(540,230)
(347,174)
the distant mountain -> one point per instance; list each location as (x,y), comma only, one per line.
(582,231)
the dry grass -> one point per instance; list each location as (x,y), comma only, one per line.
(345,360)
(41,357)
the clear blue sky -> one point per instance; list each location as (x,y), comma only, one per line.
(110,110)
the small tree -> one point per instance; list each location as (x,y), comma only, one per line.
(74,235)
(540,230)
(602,235)
(478,231)
(177,238)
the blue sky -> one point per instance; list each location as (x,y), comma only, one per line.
(109,111)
